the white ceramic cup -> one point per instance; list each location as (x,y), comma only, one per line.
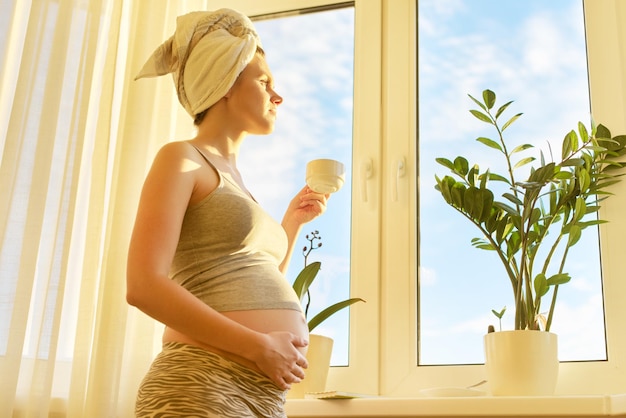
(325,175)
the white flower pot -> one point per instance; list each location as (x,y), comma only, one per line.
(521,363)
(318,355)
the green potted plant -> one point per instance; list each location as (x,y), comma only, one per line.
(307,276)
(320,347)
(535,220)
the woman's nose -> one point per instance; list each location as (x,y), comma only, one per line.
(276,98)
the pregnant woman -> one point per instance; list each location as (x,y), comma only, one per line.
(205,259)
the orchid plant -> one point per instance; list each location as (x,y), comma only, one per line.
(307,276)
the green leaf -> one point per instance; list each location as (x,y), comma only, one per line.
(487,198)
(481,116)
(563,175)
(461,166)
(500,314)
(483,180)
(541,285)
(472,174)
(592,208)
(503,229)
(489,97)
(484,246)
(602,132)
(305,278)
(522,147)
(331,310)
(552,198)
(582,131)
(503,108)
(584,180)
(558,279)
(472,204)
(580,209)
(510,121)
(456,194)
(445,162)
(489,142)
(506,208)
(513,244)
(475,200)
(482,106)
(491,224)
(610,144)
(535,215)
(596,148)
(567,146)
(513,198)
(594,222)
(543,174)
(498,177)
(524,161)
(615,144)
(574,235)
(444,189)
(573,162)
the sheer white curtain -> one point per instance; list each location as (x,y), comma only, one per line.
(76,138)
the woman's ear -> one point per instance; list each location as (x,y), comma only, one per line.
(229,93)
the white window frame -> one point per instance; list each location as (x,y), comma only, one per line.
(383,332)
(400,376)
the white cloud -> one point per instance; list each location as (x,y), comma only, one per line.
(582,284)
(580,328)
(432,13)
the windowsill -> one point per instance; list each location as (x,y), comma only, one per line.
(484,406)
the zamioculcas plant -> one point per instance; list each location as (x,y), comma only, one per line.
(305,279)
(534,221)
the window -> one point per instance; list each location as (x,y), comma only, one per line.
(400,374)
(465,49)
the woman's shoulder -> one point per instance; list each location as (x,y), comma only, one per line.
(177,149)
(183,160)
(178,155)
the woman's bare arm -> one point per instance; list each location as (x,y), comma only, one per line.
(304,207)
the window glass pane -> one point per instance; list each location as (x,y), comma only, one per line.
(313,72)
(532,52)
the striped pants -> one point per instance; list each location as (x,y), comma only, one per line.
(188,381)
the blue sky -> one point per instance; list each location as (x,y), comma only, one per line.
(528,51)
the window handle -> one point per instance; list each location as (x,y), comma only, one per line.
(366,173)
(400,172)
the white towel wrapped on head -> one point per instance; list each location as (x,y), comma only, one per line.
(205,55)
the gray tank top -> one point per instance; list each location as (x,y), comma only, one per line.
(229,252)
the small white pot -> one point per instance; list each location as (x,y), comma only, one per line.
(318,355)
(521,363)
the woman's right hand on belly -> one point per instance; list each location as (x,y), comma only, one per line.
(281,358)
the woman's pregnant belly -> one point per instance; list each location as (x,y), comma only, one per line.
(260,320)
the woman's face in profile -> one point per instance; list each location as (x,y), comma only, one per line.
(253,99)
